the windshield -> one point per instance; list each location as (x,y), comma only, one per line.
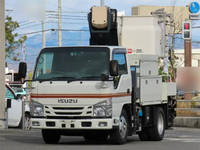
(72,64)
(17,88)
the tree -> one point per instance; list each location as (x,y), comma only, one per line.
(13,41)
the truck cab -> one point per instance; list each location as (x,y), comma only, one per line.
(76,83)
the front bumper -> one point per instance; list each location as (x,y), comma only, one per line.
(92,124)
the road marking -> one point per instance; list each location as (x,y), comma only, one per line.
(185,140)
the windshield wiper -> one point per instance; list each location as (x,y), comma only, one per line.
(69,79)
(83,78)
(62,78)
(56,79)
(90,77)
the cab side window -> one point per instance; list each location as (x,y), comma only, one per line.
(121,58)
(9,94)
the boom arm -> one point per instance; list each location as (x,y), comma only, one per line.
(103,26)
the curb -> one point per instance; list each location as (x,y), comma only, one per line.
(191,122)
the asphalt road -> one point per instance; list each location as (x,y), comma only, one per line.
(175,139)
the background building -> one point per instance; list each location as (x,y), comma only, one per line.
(195,57)
(179,13)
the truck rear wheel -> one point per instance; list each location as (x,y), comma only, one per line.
(50,136)
(144,134)
(157,131)
(119,135)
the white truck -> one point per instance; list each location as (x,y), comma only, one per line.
(105,91)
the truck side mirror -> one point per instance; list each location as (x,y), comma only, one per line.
(114,68)
(22,71)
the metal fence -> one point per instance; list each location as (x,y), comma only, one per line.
(192,106)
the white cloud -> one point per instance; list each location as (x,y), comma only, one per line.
(32,9)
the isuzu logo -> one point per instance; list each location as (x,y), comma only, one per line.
(67,101)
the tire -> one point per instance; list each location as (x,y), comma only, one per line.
(50,136)
(144,135)
(119,135)
(20,124)
(27,121)
(157,131)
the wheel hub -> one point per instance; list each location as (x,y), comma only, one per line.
(122,126)
(160,124)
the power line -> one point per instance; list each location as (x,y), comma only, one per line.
(49,22)
(54,11)
(75,16)
(68,30)
(70,12)
(33,25)
(72,30)
(27,23)
(35,32)
(70,18)
(30,24)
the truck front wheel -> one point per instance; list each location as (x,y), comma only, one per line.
(119,135)
(50,136)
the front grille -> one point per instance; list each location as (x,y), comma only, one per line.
(68,108)
(69,111)
(76,117)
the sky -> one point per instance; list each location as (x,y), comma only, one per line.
(24,10)
(30,13)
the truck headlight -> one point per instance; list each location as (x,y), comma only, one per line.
(103,109)
(36,109)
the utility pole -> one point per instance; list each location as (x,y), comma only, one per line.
(188,61)
(102,2)
(23,51)
(43,35)
(59,24)
(2,65)
(188,53)
(187,36)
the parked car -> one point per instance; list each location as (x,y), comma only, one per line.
(15,111)
(20,91)
(18,88)
(15,115)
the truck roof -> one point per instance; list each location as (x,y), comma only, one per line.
(85,46)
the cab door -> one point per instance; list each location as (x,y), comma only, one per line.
(15,112)
(122,83)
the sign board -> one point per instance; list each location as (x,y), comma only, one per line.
(194,9)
